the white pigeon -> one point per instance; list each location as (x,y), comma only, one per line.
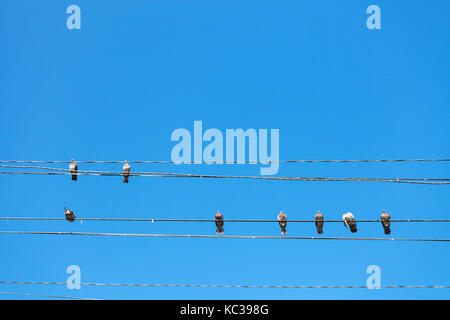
(349,220)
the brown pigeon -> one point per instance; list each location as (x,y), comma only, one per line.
(73,167)
(282,220)
(386,222)
(70,216)
(349,220)
(318,218)
(218,219)
(126,171)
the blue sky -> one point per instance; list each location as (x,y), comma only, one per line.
(137,70)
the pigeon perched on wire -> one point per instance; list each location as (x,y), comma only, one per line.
(282,220)
(218,219)
(318,218)
(70,216)
(126,171)
(349,220)
(386,222)
(73,167)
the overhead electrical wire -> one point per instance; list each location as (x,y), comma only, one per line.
(210,220)
(433,181)
(45,295)
(392,180)
(227,162)
(59,171)
(212,236)
(120,173)
(227,285)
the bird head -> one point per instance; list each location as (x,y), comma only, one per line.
(347,216)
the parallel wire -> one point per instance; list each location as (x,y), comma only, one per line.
(209,220)
(212,236)
(228,162)
(225,285)
(120,173)
(45,295)
(198,175)
(183,175)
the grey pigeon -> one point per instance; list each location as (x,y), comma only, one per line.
(126,171)
(73,167)
(218,219)
(282,220)
(386,222)
(318,218)
(349,220)
(70,216)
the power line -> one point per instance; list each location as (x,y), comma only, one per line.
(121,173)
(212,236)
(225,285)
(165,174)
(45,295)
(211,220)
(183,175)
(228,162)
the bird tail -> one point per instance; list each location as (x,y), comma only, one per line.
(319,229)
(387,230)
(353,228)
(125,179)
(219,228)
(283,231)
(74,177)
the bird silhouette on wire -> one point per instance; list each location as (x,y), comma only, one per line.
(218,219)
(349,220)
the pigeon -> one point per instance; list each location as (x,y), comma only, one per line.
(318,218)
(70,216)
(218,219)
(73,169)
(126,171)
(282,220)
(349,220)
(386,222)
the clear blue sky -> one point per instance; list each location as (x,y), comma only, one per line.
(137,70)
